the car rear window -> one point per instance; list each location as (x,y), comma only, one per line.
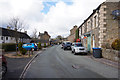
(78,45)
(27,44)
(68,43)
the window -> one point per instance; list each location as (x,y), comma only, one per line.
(95,21)
(104,20)
(89,26)
(105,9)
(1,38)
(104,14)
(6,38)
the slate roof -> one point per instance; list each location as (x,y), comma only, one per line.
(94,11)
(12,33)
(40,40)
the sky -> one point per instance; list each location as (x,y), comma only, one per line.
(56,17)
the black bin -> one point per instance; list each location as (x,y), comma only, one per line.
(97,52)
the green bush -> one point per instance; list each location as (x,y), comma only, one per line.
(23,51)
(39,46)
(8,46)
(44,45)
(116,44)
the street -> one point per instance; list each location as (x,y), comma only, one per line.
(54,62)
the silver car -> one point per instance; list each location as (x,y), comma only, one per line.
(78,48)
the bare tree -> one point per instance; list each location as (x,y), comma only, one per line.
(17,25)
(34,35)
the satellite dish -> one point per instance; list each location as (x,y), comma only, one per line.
(116,13)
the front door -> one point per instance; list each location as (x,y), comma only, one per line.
(89,43)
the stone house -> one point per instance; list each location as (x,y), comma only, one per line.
(44,38)
(100,29)
(71,37)
(8,36)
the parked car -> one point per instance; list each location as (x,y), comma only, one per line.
(67,45)
(78,48)
(3,63)
(62,45)
(30,46)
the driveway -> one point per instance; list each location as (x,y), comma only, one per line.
(16,66)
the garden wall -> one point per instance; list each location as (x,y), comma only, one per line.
(111,54)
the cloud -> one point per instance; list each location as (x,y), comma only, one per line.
(59,19)
(62,17)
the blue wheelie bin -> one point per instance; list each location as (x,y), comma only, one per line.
(97,52)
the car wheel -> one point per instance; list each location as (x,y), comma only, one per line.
(4,69)
(35,49)
(85,53)
(74,52)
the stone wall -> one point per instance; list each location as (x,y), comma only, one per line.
(111,25)
(111,54)
(73,30)
(71,38)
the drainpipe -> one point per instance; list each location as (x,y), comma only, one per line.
(93,41)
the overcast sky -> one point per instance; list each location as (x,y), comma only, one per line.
(55,16)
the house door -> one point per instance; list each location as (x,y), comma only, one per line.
(89,43)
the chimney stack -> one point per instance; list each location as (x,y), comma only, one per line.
(8,27)
(25,32)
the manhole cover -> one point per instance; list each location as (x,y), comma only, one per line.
(76,66)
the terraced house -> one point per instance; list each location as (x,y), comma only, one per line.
(71,37)
(101,28)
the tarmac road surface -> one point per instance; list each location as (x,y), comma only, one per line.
(54,62)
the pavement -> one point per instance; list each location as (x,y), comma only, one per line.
(16,65)
(107,62)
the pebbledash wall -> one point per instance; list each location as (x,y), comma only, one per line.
(100,30)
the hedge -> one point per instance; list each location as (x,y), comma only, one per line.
(8,46)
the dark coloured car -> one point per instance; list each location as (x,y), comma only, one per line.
(67,45)
(62,45)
